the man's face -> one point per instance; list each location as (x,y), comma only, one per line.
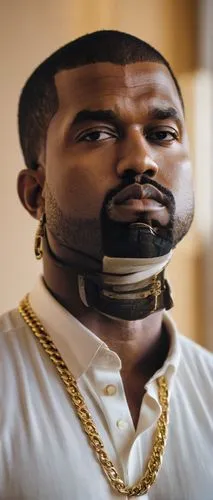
(116,125)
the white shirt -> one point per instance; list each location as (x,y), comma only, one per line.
(44,453)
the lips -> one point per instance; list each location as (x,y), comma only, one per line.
(139,203)
(139,192)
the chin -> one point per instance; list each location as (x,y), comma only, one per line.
(136,241)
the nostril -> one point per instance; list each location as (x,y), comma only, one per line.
(129,175)
(150,172)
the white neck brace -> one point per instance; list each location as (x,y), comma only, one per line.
(120,292)
(126,271)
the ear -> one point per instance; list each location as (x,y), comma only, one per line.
(30,186)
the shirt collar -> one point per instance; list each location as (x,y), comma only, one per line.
(80,348)
(171,363)
(77,345)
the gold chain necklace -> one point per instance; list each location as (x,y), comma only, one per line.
(143,485)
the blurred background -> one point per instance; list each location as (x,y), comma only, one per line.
(183,31)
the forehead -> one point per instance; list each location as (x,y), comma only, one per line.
(102,84)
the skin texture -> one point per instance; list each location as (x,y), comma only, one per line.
(84,160)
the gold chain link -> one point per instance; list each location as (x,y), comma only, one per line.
(143,485)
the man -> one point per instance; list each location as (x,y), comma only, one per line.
(97,387)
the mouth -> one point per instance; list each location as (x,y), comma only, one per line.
(139,203)
(138,192)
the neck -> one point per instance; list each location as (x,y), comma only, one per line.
(142,345)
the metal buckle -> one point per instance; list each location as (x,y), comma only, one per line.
(156,291)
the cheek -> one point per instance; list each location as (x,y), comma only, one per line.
(80,186)
(183,190)
(178,179)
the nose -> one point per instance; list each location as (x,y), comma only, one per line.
(135,156)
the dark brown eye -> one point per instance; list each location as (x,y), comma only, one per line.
(162,135)
(96,136)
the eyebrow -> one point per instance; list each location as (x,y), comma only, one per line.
(108,115)
(164,113)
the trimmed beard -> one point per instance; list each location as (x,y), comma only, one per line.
(103,236)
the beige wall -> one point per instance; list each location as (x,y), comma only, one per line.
(29,32)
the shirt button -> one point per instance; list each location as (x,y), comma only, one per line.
(110,390)
(122,425)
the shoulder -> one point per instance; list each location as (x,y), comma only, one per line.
(196,365)
(10,322)
(195,353)
(15,341)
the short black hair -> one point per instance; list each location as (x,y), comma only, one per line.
(39,101)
